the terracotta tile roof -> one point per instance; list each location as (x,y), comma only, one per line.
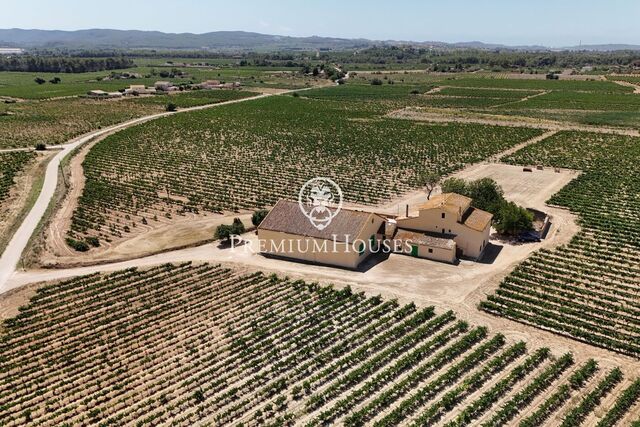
(477,219)
(286,217)
(433,240)
(450,201)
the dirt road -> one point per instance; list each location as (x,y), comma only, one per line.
(17,244)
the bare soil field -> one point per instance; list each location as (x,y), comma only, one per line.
(24,192)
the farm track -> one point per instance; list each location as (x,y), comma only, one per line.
(11,256)
(629,84)
(411,113)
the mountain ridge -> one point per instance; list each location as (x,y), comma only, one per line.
(99,38)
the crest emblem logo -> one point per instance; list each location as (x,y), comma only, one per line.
(320,200)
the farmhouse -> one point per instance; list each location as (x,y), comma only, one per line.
(445,228)
(216,84)
(101,94)
(165,86)
(449,216)
(139,90)
(348,240)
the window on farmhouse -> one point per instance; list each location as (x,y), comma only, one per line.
(430,250)
(442,215)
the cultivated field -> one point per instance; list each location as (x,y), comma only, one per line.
(589,288)
(11,163)
(577,101)
(186,344)
(249,155)
(51,122)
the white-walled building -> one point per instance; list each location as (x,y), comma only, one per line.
(451,216)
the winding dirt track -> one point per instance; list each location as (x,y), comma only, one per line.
(18,243)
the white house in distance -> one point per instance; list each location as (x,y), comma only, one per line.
(101,94)
(139,89)
(449,217)
(287,233)
(165,86)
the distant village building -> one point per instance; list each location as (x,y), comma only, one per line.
(101,94)
(216,84)
(139,89)
(11,51)
(165,86)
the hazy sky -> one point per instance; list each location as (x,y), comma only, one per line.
(547,22)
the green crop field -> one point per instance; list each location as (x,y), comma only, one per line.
(251,154)
(506,94)
(587,289)
(25,124)
(11,164)
(600,103)
(201,344)
(592,101)
(23,85)
(540,84)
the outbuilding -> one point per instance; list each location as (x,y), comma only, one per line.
(346,242)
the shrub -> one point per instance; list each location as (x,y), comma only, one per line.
(40,146)
(171,107)
(198,396)
(513,219)
(93,241)
(258,216)
(77,244)
(39,80)
(376,82)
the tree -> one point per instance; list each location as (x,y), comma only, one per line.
(223,232)
(455,185)
(55,80)
(171,107)
(40,146)
(39,80)
(428,180)
(226,232)
(376,82)
(258,216)
(486,194)
(513,219)
(237,227)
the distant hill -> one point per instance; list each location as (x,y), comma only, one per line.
(233,40)
(100,38)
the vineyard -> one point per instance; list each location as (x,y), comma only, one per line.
(26,124)
(589,289)
(250,155)
(11,163)
(586,102)
(186,344)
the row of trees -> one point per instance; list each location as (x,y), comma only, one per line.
(47,64)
